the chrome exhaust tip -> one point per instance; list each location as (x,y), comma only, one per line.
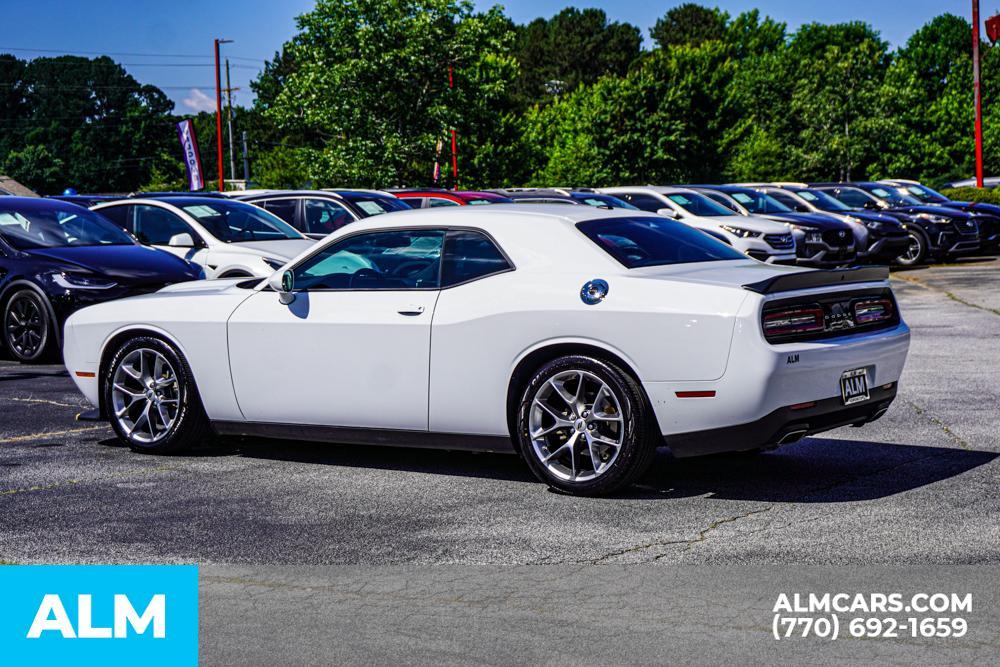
(792,436)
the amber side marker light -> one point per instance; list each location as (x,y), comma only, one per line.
(695,394)
(85,374)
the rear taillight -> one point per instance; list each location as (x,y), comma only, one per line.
(792,321)
(871,311)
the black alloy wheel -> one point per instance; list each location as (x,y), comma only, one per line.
(26,326)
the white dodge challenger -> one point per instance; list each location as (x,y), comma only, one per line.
(579,338)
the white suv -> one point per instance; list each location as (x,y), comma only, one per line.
(762,239)
(229,239)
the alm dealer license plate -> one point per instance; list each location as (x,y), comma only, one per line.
(854,386)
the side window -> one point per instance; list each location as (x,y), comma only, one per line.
(851,197)
(283,208)
(156,226)
(643,202)
(720,199)
(324,216)
(788,201)
(470,255)
(435,202)
(120,215)
(391,260)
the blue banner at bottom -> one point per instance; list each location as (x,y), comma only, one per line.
(99,614)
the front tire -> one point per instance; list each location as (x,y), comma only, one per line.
(916,253)
(27,327)
(585,427)
(151,399)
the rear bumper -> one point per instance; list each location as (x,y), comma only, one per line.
(784,425)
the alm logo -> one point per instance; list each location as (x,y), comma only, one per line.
(99,615)
(52,617)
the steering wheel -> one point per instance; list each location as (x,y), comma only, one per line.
(410,269)
(365,275)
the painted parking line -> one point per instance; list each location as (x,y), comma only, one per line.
(51,434)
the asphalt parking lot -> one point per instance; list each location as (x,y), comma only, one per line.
(317,549)
(917,487)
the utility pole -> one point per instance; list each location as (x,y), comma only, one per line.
(976,94)
(229,113)
(246,160)
(218,115)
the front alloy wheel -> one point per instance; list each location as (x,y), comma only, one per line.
(26,326)
(149,395)
(145,395)
(916,252)
(585,427)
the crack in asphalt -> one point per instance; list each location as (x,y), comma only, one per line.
(957,439)
(701,537)
(951,295)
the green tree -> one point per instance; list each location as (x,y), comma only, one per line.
(34,166)
(574,47)
(689,23)
(370,83)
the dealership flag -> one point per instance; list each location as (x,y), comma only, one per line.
(192,159)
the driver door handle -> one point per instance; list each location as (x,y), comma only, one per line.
(411,309)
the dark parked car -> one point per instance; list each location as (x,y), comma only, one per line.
(821,240)
(57,257)
(317,213)
(437,197)
(987,215)
(936,232)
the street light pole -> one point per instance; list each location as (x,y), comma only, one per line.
(218,115)
(976,94)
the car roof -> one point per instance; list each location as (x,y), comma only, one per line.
(486,217)
(173,201)
(39,204)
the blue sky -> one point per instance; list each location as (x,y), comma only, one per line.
(180,32)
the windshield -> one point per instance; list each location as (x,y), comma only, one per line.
(759,202)
(236,222)
(923,193)
(375,205)
(894,197)
(697,204)
(822,201)
(649,241)
(42,226)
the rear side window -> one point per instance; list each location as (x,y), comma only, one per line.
(119,215)
(283,208)
(638,242)
(642,201)
(470,255)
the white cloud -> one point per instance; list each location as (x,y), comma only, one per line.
(199,101)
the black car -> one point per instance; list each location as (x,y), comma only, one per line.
(987,215)
(936,232)
(821,240)
(57,257)
(317,213)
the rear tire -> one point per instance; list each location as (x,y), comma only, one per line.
(27,327)
(151,399)
(584,426)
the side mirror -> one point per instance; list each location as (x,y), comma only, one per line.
(283,283)
(668,212)
(181,241)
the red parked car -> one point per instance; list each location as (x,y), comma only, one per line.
(433,197)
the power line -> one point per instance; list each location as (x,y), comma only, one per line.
(122,53)
(35,63)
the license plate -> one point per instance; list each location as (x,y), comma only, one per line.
(854,386)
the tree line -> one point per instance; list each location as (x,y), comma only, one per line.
(367,92)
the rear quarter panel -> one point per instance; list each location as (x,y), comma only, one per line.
(665,330)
